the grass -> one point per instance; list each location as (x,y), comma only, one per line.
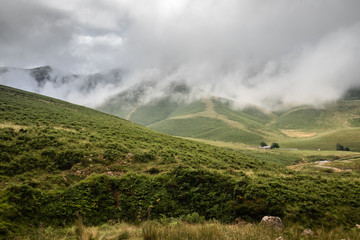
(152,230)
(205,128)
(192,108)
(327,141)
(302,118)
(154,111)
(58,159)
(307,127)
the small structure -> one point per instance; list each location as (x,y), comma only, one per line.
(265,147)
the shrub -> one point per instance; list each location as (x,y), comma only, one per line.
(65,160)
(339,147)
(263,144)
(144,157)
(274,145)
(193,218)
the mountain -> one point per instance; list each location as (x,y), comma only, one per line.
(218,120)
(77,88)
(60,162)
(174,107)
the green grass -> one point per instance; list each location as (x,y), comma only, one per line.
(328,141)
(191,108)
(249,125)
(205,128)
(153,112)
(303,118)
(60,161)
(249,116)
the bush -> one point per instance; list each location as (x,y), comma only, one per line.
(263,144)
(144,157)
(193,218)
(274,145)
(65,160)
(339,147)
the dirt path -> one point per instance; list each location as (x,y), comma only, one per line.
(209,112)
(128,116)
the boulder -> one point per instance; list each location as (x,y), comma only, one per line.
(307,232)
(271,221)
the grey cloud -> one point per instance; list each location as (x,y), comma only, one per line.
(250,50)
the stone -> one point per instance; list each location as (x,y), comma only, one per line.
(129,156)
(272,221)
(307,232)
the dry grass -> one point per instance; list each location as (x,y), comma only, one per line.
(178,230)
(298,134)
(11,125)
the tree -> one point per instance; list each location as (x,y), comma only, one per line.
(263,144)
(346,149)
(339,147)
(274,145)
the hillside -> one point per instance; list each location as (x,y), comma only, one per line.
(216,119)
(60,160)
(178,109)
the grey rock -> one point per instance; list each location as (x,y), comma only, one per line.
(272,221)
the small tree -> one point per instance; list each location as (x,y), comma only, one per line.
(263,144)
(339,147)
(274,145)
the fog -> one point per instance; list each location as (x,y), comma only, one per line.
(268,53)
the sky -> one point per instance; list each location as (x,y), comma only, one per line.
(251,51)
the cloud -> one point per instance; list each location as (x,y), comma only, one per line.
(252,51)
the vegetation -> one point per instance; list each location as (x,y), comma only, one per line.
(340,147)
(274,145)
(263,144)
(302,127)
(61,163)
(178,229)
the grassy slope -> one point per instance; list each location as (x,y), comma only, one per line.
(327,141)
(250,125)
(58,159)
(154,112)
(217,122)
(205,128)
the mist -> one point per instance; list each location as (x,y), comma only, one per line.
(267,53)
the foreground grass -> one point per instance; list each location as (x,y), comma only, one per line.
(178,230)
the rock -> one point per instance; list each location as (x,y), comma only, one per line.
(357,226)
(307,232)
(272,221)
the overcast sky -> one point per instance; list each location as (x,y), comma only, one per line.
(241,49)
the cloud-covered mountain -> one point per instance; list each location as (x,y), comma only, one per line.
(89,90)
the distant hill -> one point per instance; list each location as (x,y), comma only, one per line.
(217,119)
(175,108)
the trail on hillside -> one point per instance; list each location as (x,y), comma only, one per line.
(128,116)
(210,112)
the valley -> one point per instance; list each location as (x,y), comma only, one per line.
(62,162)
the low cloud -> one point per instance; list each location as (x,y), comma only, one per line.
(254,52)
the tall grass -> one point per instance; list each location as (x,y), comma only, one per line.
(177,230)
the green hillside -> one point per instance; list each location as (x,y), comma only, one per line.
(217,119)
(61,162)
